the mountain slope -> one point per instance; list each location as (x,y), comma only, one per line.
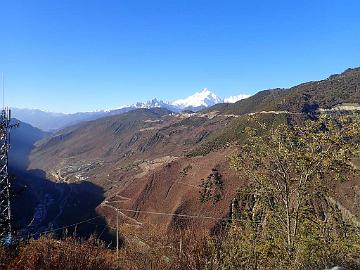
(137,135)
(128,155)
(307,97)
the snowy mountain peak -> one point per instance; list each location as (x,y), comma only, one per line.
(234,99)
(205,91)
(202,99)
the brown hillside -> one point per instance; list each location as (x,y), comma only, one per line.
(140,159)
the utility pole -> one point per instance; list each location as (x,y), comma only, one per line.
(233,217)
(117,233)
(180,246)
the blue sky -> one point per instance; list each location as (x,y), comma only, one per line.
(80,55)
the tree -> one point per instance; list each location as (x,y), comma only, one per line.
(290,170)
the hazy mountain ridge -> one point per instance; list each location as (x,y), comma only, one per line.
(23,139)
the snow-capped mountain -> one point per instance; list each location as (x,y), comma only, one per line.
(49,121)
(197,101)
(200,100)
(234,99)
(154,103)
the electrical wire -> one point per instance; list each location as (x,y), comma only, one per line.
(169,214)
(63,227)
(132,211)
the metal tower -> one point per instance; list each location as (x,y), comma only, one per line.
(5,207)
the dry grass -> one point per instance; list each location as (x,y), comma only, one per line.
(156,249)
(152,248)
(67,254)
(148,248)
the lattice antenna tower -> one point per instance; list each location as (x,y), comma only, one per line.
(5,185)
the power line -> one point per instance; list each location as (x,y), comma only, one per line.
(169,214)
(133,211)
(64,227)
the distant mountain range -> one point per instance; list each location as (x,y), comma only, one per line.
(50,121)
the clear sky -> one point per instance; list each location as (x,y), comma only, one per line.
(80,55)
